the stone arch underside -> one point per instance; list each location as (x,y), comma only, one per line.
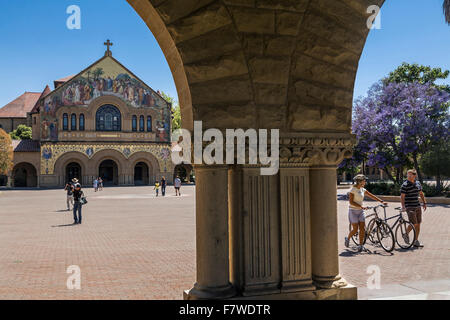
(24,175)
(281,64)
(262,64)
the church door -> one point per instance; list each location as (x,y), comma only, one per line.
(108,171)
(73,170)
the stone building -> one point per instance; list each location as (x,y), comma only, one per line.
(16,112)
(104,122)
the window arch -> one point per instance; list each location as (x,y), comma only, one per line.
(108,118)
(141,124)
(73,122)
(65,122)
(149,123)
(134,124)
(81,125)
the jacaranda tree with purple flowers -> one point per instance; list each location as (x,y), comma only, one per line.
(397,123)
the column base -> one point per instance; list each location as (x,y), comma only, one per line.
(206,293)
(348,292)
(329,282)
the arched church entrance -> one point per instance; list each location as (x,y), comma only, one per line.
(109,172)
(25,175)
(184,172)
(73,170)
(141,174)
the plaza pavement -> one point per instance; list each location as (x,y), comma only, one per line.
(133,245)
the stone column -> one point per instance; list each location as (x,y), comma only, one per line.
(324,231)
(321,153)
(213,280)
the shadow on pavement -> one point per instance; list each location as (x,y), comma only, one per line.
(64,225)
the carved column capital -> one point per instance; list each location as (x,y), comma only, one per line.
(315,149)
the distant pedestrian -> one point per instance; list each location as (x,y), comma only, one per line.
(78,195)
(100,184)
(163,186)
(410,192)
(95,185)
(69,192)
(156,188)
(177,184)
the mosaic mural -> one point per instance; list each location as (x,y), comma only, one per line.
(50,153)
(107,77)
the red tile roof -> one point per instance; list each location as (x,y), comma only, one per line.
(20,106)
(26,146)
(61,81)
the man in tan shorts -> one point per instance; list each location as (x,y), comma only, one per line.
(411,190)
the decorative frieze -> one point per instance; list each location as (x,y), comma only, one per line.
(51,152)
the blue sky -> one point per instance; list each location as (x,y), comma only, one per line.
(37,47)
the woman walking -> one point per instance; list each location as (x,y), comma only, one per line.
(356,209)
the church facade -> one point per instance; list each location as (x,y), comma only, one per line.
(103,122)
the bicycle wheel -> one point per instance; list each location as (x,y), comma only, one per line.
(401,235)
(385,236)
(355,238)
(371,231)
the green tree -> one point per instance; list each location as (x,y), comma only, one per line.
(436,163)
(176,112)
(6,153)
(22,133)
(409,73)
(446,7)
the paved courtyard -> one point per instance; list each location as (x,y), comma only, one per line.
(133,245)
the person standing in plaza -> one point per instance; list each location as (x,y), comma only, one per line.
(100,184)
(156,188)
(163,186)
(69,190)
(95,185)
(177,184)
(410,192)
(356,210)
(77,195)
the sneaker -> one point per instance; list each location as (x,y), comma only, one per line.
(347,242)
(405,238)
(417,244)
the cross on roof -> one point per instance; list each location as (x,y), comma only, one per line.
(108,44)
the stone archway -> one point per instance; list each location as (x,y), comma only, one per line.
(141,174)
(116,169)
(74,171)
(109,172)
(151,162)
(73,157)
(25,175)
(287,65)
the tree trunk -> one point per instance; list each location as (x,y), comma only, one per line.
(416,166)
(389,175)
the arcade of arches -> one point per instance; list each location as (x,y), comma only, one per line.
(289,65)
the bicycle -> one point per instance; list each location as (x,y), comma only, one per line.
(377,226)
(401,235)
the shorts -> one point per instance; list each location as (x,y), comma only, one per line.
(177,188)
(356,216)
(414,215)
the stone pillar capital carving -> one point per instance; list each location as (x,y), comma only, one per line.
(315,149)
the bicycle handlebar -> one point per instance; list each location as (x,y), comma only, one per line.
(380,205)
